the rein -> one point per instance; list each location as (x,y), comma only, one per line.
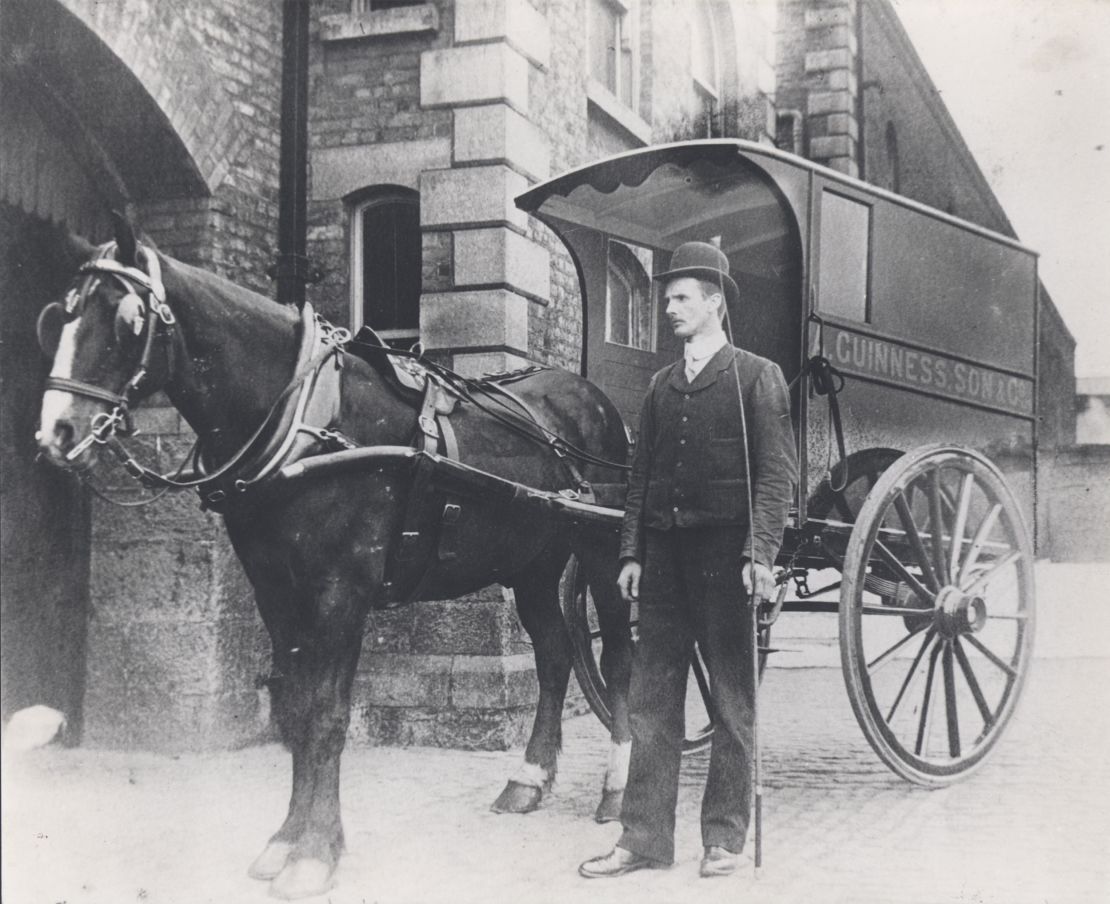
(468,388)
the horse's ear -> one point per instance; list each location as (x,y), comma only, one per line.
(125,239)
(75,250)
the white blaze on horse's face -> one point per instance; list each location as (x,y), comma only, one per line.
(56,430)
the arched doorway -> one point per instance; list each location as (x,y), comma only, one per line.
(81,136)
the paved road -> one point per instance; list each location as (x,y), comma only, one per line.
(1033,826)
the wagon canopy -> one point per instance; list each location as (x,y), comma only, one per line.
(621,219)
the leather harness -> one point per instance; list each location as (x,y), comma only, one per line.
(304,421)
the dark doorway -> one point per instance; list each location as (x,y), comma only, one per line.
(44,515)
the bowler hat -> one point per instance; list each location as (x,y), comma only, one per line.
(700,260)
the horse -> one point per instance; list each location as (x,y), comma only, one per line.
(323,551)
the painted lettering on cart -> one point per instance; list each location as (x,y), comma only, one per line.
(881,359)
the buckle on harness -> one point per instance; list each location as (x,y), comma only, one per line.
(428,426)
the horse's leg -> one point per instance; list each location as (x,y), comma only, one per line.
(601,567)
(320,673)
(537,603)
(277,605)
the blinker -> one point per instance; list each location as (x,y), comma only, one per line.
(130,315)
(48,328)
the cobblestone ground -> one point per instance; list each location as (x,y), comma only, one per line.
(1033,826)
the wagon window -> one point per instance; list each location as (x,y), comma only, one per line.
(844,255)
(629,311)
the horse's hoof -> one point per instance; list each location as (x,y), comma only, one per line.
(271,861)
(609,810)
(518,798)
(302,879)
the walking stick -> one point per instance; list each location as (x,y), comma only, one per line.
(757,751)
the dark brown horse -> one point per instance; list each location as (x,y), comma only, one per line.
(323,550)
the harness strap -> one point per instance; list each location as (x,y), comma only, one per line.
(432,429)
(553,441)
(76,387)
(828,381)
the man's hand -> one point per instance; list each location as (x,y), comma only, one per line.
(629,581)
(764,586)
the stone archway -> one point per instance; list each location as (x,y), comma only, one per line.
(92,121)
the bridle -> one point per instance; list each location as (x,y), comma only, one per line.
(148,291)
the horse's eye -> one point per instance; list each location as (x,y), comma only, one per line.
(130,317)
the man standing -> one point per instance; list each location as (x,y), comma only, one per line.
(687,557)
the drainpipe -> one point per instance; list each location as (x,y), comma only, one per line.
(292,268)
(860,146)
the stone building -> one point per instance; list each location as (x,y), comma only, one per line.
(425,120)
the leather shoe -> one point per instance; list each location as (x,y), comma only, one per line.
(616,863)
(718,861)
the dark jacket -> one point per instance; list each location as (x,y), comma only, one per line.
(688,466)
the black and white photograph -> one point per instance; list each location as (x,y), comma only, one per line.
(559,451)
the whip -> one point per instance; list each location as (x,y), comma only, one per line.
(757,751)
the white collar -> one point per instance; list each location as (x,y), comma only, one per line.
(699,348)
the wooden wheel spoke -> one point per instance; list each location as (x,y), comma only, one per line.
(985,577)
(973,684)
(936,523)
(962,507)
(950,707)
(909,674)
(993,657)
(884,657)
(914,584)
(980,540)
(912,534)
(927,703)
(900,611)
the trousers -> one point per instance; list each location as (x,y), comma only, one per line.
(691,588)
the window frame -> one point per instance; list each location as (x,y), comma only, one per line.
(613,268)
(711,91)
(867,207)
(357,204)
(626,13)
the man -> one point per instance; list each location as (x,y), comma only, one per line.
(687,557)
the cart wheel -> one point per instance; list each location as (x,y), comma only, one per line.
(939,544)
(585,636)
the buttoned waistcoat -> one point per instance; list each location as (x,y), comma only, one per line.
(688,464)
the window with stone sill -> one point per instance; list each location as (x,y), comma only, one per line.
(629,307)
(705,66)
(612,47)
(385,263)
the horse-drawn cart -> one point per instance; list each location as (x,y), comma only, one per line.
(909,338)
(904,330)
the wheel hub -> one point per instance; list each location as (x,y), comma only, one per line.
(959,613)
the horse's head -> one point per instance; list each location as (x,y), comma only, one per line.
(109,341)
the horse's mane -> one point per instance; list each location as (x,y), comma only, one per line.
(227,291)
